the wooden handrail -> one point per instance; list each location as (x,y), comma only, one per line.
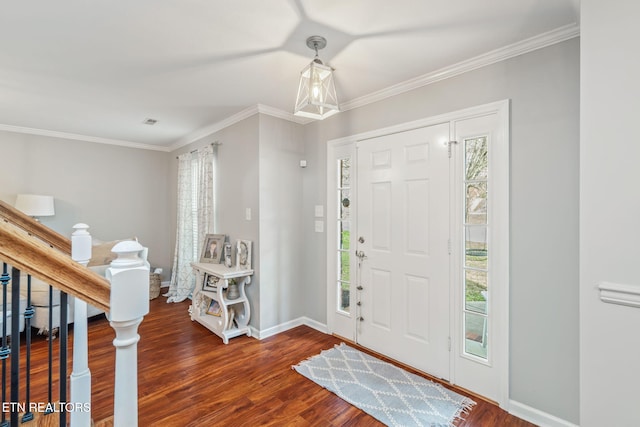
(50,265)
(33,227)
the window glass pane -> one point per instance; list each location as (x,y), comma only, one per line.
(475,254)
(344,296)
(476,159)
(345,235)
(345,204)
(475,332)
(344,266)
(475,291)
(345,172)
(476,203)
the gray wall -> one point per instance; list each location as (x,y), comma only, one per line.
(119,192)
(544,90)
(236,188)
(281,243)
(609,211)
(258,168)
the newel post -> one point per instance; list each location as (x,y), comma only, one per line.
(129,277)
(80,381)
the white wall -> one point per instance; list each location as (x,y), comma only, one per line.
(609,211)
(544,90)
(119,192)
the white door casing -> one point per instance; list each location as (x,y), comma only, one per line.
(489,379)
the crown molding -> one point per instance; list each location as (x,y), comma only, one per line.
(520,48)
(281,114)
(214,127)
(78,137)
(231,120)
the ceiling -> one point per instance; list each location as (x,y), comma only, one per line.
(96,70)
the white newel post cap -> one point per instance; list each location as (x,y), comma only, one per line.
(129,276)
(81,243)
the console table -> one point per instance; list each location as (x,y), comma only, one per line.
(220,303)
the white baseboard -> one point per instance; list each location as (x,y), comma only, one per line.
(262,334)
(165,284)
(316,325)
(536,416)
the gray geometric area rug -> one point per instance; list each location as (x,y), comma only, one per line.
(390,394)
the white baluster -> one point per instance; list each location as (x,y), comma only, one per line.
(129,276)
(80,381)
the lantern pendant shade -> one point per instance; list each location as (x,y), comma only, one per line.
(316,92)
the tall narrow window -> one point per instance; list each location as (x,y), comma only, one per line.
(476,250)
(343,194)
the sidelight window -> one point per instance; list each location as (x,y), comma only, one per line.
(343,195)
(476,284)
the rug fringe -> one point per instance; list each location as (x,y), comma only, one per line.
(463,412)
(311,357)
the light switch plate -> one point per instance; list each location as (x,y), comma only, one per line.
(319,211)
(319,226)
(247,214)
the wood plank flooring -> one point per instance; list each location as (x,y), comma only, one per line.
(188,377)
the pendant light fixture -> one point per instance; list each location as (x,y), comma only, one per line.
(316,91)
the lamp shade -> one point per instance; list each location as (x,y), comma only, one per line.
(316,92)
(34,205)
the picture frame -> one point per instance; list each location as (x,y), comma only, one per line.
(210,283)
(243,254)
(213,248)
(214,308)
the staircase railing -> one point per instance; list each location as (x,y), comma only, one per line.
(51,237)
(33,248)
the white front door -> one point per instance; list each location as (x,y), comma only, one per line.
(403,242)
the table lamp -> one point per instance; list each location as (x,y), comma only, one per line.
(35,205)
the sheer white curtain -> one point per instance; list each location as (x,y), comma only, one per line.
(195,212)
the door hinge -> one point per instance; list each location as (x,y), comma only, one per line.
(449,147)
(449,343)
(449,246)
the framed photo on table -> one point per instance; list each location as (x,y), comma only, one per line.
(243,254)
(213,248)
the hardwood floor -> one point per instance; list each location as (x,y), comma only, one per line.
(188,377)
